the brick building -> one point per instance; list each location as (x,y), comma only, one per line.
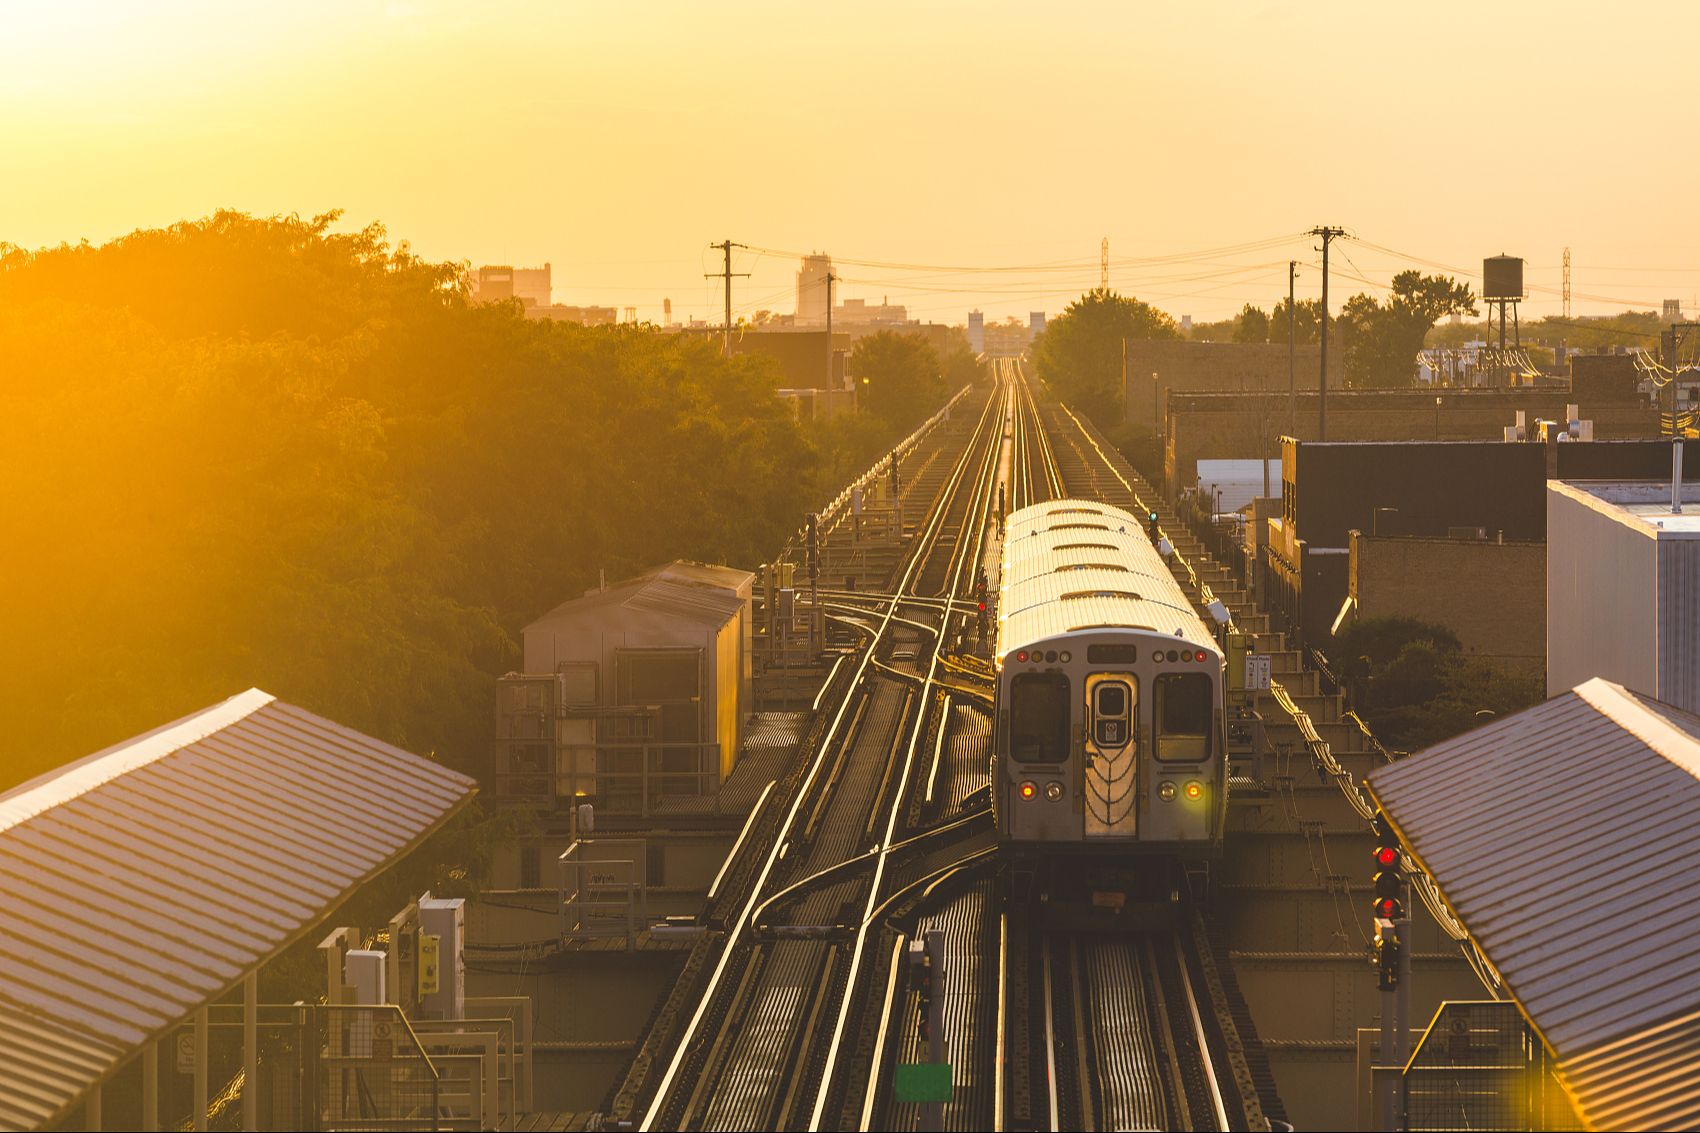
(1151,369)
(1480,491)
(1488,592)
(1245,426)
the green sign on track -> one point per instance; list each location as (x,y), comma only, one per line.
(922,1082)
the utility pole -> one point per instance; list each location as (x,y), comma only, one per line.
(1104,264)
(829,278)
(1327,233)
(726,273)
(1292,380)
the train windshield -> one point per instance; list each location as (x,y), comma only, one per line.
(1038,718)
(1184,715)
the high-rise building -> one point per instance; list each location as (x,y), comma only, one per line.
(495,282)
(812,289)
(977,331)
(1036,323)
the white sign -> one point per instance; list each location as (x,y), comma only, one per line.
(185,1047)
(1257,671)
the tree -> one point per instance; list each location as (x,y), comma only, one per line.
(1380,340)
(1252,325)
(898,375)
(1415,685)
(1307,322)
(1079,355)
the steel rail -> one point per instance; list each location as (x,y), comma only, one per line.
(685,1047)
(858,947)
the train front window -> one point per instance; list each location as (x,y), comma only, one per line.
(1184,715)
(1038,718)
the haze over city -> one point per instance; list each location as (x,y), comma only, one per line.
(879,566)
(617,141)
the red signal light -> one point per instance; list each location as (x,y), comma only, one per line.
(1388,908)
(982,606)
(1386,857)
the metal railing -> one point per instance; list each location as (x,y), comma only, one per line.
(603,894)
(1481,1066)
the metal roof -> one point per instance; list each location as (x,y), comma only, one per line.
(1058,579)
(151,877)
(1565,839)
(707,595)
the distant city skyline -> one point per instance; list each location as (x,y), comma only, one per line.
(933,143)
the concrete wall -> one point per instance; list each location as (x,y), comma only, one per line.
(1185,367)
(1492,595)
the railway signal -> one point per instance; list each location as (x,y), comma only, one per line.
(1389,905)
(814,548)
(1151,523)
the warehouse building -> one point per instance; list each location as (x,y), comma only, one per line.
(1623,587)
(633,696)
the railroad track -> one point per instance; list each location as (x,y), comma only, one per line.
(793,1014)
(766,1012)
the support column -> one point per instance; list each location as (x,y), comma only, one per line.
(201,1069)
(91,1108)
(251,1052)
(150,1087)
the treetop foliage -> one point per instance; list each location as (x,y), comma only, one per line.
(257,452)
(1079,354)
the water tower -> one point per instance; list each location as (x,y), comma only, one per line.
(1502,284)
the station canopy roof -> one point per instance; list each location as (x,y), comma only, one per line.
(1566,839)
(145,880)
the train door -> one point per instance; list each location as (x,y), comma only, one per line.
(1112,755)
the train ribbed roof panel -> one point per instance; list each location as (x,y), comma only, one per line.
(146,879)
(1070,565)
(1565,839)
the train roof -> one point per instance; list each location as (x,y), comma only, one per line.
(1075,566)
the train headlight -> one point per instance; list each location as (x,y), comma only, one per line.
(1028,789)
(1065,656)
(1053,791)
(1166,791)
(1194,789)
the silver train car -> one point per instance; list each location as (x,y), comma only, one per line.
(1109,728)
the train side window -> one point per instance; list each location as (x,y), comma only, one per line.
(1183,716)
(1039,718)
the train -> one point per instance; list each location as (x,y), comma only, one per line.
(1109,712)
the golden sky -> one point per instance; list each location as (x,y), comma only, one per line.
(616,139)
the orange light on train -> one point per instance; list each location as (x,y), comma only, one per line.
(1028,790)
(1194,789)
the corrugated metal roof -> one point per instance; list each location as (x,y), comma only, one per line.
(148,878)
(1565,838)
(708,595)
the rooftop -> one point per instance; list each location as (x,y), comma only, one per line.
(711,595)
(1563,838)
(150,878)
(1641,504)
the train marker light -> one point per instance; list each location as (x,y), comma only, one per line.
(1028,790)
(1021,656)
(1194,789)
(1065,656)
(1202,655)
(1166,791)
(1053,791)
